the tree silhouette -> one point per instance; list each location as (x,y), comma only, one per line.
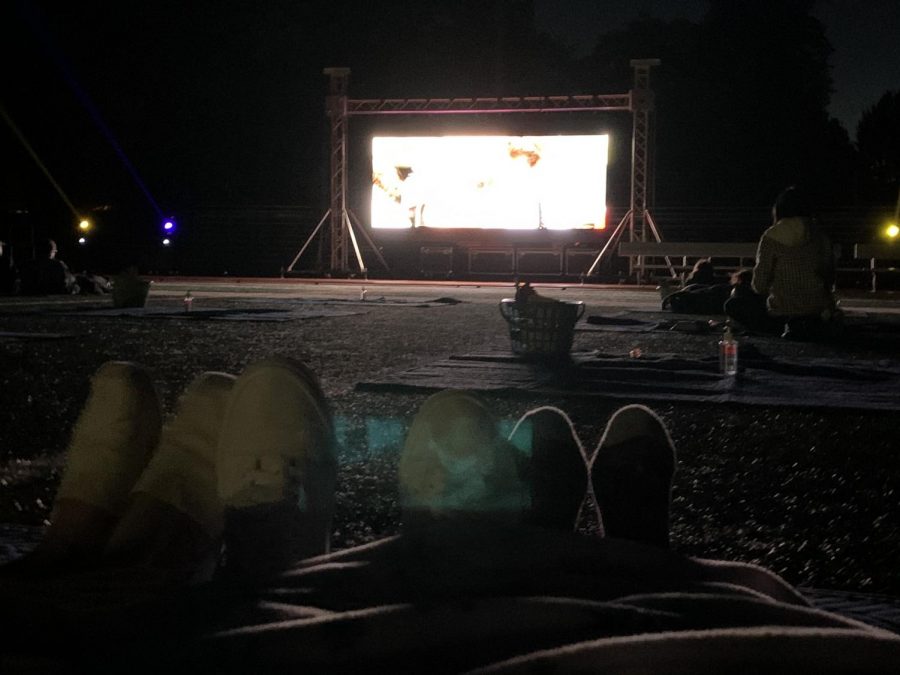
(742,104)
(878,141)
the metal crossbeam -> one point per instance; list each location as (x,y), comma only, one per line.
(498,105)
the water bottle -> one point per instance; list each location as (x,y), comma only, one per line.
(728,353)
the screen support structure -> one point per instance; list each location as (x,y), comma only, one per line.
(342,221)
(343,224)
(638,220)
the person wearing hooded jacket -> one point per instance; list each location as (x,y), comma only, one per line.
(793,277)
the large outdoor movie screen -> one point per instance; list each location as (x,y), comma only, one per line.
(497,182)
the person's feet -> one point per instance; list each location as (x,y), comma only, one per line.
(632,471)
(554,467)
(174,520)
(112,442)
(276,468)
(455,463)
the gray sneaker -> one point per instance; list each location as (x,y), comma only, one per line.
(554,467)
(632,471)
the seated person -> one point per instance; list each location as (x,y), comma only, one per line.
(703,273)
(487,570)
(702,293)
(748,307)
(793,277)
(46,274)
(9,273)
(91,283)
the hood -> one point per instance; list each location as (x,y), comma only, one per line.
(791,231)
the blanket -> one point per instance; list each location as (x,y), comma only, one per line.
(217,313)
(810,383)
(620,322)
(209,308)
(443,599)
(859,327)
(25,336)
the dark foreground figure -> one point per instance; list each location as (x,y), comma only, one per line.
(175,548)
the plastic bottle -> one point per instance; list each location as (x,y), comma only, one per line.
(728,353)
(188,301)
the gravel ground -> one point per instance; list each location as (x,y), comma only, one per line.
(810,494)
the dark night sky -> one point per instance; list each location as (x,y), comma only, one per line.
(865,35)
(866,60)
(243,77)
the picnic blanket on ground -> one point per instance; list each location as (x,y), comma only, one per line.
(17,335)
(218,314)
(285,310)
(620,322)
(17,540)
(809,383)
(858,324)
(444,599)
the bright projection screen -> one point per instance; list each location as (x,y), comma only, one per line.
(494,182)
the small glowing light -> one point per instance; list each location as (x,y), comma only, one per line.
(82,241)
(168,225)
(84,224)
(166,241)
(892,231)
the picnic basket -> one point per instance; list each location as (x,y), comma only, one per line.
(129,291)
(542,329)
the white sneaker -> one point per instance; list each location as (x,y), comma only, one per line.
(182,474)
(112,442)
(114,438)
(276,467)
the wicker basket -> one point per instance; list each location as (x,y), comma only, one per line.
(541,329)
